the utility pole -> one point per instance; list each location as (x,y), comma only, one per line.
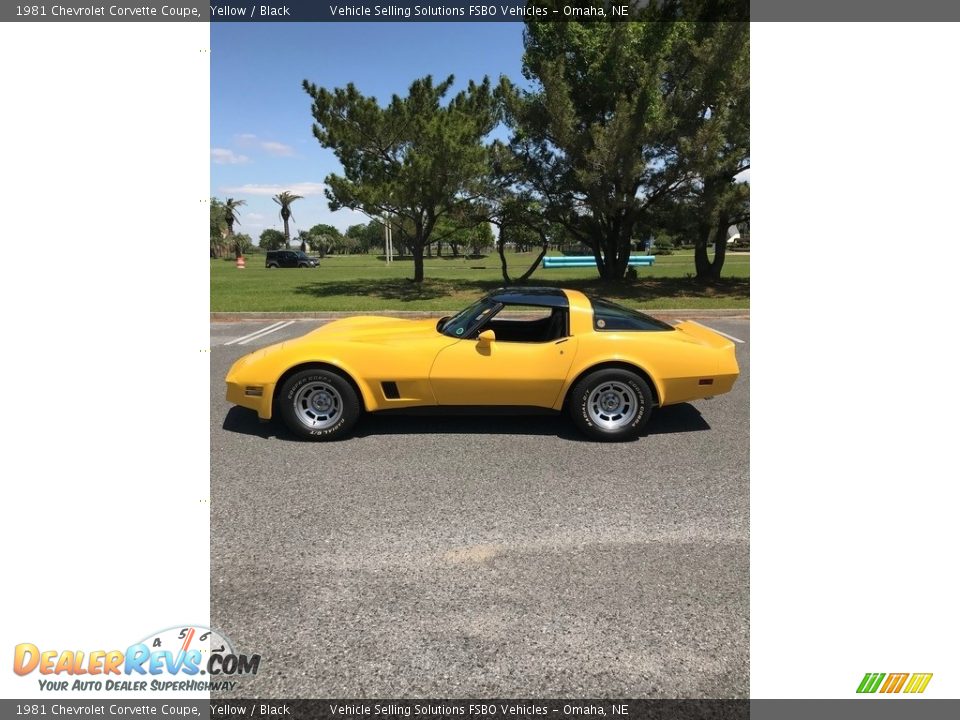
(388,240)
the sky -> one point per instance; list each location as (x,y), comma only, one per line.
(261,138)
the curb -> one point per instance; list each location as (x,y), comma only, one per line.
(414,314)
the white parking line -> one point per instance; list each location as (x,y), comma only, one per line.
(266,332)
(729,337)
(259,333)
(255,332)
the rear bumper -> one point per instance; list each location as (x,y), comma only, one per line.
(698,387)
(679,390)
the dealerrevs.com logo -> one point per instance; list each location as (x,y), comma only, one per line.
(911,683)
(181,658)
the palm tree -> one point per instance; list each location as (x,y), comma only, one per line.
(284,200)
(304,237)
(230,217)
(217,245)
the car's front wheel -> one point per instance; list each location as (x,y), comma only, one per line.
(611,405)
(319,405)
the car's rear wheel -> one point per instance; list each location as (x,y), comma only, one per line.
(319,405)
(611,405)
(272,265)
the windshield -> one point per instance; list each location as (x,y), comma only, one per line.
(461,324)
(302,255)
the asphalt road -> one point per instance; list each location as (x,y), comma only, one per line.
(483,557)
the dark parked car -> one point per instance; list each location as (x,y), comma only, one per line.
(289,259)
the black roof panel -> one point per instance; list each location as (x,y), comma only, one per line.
(541,296)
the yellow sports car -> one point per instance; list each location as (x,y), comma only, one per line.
(606,365)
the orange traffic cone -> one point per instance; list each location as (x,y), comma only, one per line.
(241,263)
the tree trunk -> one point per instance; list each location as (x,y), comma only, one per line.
(701,260)
(536,263)
(286,232)
(417,250)
(708,271)
(501,243)
(612,257)
(720,247)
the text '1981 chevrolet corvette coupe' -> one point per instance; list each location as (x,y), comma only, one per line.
(606,365)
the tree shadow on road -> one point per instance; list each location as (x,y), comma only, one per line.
(645,289)
(401,290)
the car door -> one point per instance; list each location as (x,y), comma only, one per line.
(475,372)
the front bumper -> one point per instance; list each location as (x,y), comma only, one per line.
(239,394)
(245,391)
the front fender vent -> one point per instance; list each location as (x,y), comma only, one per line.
(390,390)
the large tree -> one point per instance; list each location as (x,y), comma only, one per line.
(368,236)
(242,244)
(601,134)
(325,238)
(271,239)
(284,200)
(717,149)
(416,159)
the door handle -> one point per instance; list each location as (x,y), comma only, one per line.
(561,341)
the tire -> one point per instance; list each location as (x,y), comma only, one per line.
(611,405)
(319,405)
(272,265)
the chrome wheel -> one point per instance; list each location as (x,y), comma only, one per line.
(318,405)
(613,405)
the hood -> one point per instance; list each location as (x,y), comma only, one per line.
(375,329)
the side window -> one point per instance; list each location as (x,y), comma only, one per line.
(608,316)
(528,323)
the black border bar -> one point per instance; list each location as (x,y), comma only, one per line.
(460,10)
(873,708)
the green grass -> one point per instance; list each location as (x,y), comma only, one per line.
(362,282)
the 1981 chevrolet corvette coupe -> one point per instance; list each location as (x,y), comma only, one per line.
(606,365)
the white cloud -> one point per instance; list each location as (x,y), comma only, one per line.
(304,188)
(223,156)
(255,216)
(249,140)
(277,148)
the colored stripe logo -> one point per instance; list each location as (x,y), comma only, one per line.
(894,682)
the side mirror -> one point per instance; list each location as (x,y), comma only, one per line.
(486,337)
